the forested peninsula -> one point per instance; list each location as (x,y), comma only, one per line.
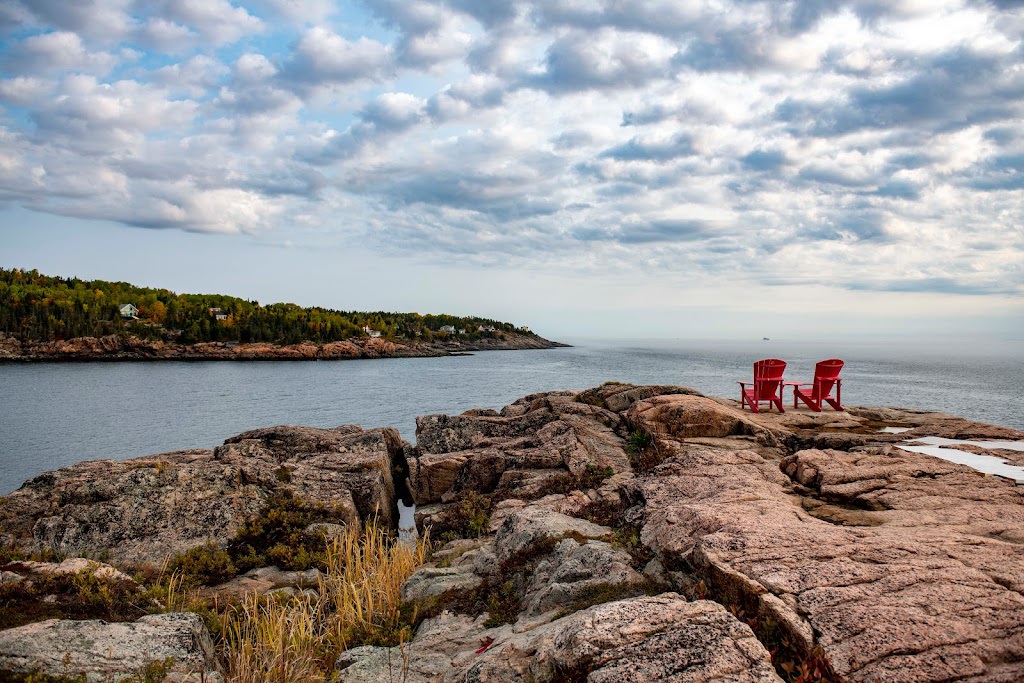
(52,318)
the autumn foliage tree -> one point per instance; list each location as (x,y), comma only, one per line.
(36,307)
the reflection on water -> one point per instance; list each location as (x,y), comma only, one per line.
(933,445)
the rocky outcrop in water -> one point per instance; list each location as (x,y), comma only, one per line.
(144,510)
(626,534)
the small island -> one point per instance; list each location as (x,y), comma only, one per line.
(45,318)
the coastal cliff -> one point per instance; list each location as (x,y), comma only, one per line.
(621,533)
(131,348)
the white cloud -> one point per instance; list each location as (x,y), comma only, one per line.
(322,57)
(23,90)
(54,52)
(253,68)
(101,20)
(195,76)
(812,142)
(217,20)
(167,36)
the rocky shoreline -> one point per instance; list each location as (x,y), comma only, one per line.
(621,533)
(116,348)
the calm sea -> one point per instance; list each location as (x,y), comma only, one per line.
(54,415)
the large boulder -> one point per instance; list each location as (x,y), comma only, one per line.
(683,416)
(100,651)
(148,508)
(538,445)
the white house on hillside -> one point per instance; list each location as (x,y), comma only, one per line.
(450,329)
(129,311)
(373,333)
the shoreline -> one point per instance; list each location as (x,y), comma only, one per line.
(114,348)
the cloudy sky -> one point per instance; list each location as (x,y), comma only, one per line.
(622,168)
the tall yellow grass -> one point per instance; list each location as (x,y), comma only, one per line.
(357,603)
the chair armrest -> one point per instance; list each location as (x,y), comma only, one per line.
(744,383)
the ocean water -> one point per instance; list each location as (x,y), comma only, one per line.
(54,415)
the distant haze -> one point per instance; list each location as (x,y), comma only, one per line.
(612,168)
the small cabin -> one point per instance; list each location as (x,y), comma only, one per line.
(448,329)
(370,331)
(485,328)
(218,314)
(129,311)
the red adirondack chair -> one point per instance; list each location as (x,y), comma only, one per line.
(767,385)
(826,377)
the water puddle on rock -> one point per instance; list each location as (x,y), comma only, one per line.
(407,519)
(933,445)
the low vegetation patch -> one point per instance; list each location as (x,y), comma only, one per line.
(275,536)
(203,565)
(468,518)
(642,449)
(791,663)
(627,537)
(593,476)
(267,639)
(12,553)
(590,397)
(70,596)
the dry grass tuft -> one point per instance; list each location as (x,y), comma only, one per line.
(358,603)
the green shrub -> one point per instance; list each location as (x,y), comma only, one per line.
(468,518)
(594,476)
(70,596)
(277,535)
(642,449)
(203,565)
(637,441)
(502,604)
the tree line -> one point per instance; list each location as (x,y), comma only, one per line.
(36,307)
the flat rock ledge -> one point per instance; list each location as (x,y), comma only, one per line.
(106,652)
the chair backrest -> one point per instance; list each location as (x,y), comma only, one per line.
(768,377)
(825,375)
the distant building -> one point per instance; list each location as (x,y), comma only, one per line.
(218,314)
(373,333)
(129,311)
(485,328)
(450,329)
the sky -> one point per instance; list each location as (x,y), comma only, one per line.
(588,168)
